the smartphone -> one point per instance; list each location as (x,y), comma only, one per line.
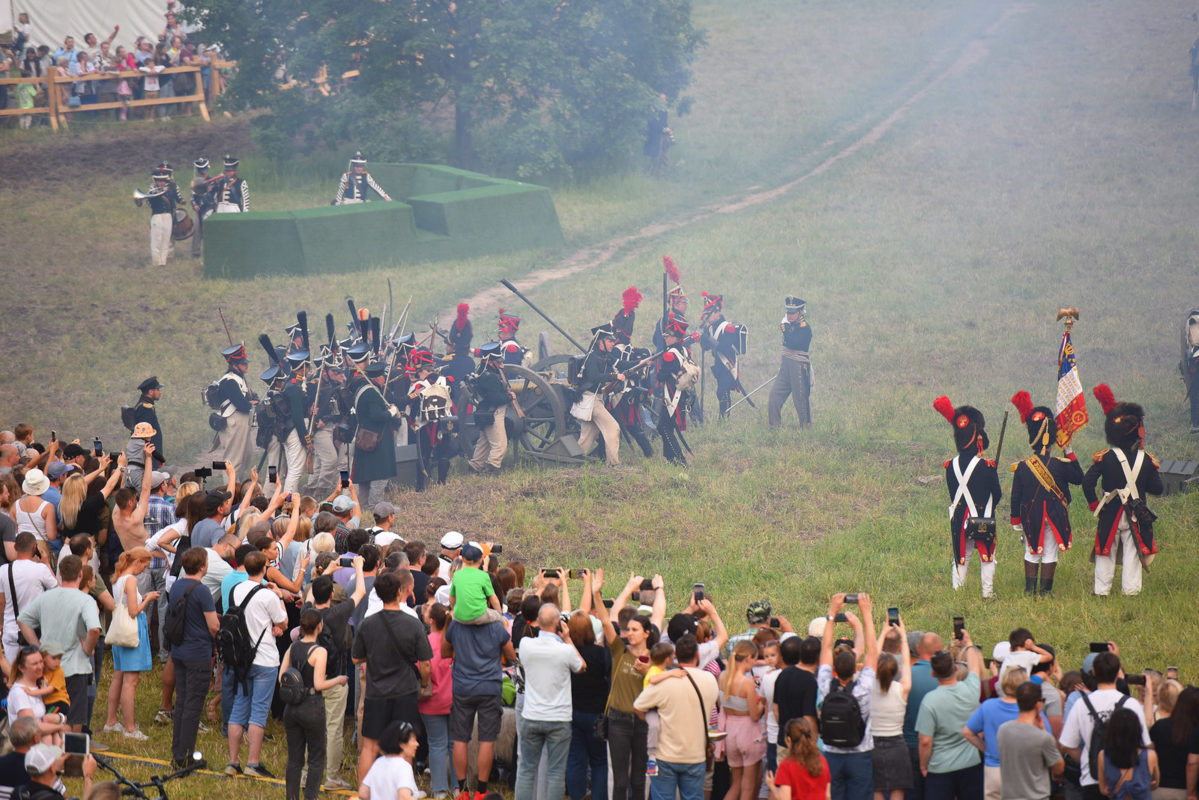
(54,436)
(840,617)
(575,574)
(496,549)
(346,560)
(893,616)
(345,481)
(647,585)
(608,601)
(98,448)
(272,474)
(218,466)
(1134,680)
(959,625)
(851,599)
(1098,647)
(698,590)
(76,743)
(550,573)
(203,472)
(774,622)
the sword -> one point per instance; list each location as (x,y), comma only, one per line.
(755,391)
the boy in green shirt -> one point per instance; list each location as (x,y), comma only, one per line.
(472,597)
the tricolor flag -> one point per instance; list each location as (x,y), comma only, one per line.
(1071,409)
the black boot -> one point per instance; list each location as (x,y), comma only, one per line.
(1046,587)
(1030,585)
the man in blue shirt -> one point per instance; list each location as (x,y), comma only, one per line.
(923,682)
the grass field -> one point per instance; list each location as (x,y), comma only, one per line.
(999,160)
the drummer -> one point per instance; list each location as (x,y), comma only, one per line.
(430,415)
(164,196)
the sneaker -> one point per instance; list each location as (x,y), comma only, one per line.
(233,768)
(259,771)
(115,727)
(136,735)
(204,728)
(651,767)
(336,784)
(163,717)
(97,746)
(463,795)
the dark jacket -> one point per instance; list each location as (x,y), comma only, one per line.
(1036,508)
(371,413)
(1106,466)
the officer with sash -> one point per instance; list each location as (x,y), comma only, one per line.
(724,339)
(374,461)
(596,371)
(356,184)
(491,396)
(233,193)
(1041,495)
(232,419)
(795,370)
(676,374)
(974,491)
(1125,530)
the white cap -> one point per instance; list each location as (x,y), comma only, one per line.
(41,757)
(1002,650)
(452,540)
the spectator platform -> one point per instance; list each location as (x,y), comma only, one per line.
(439,213)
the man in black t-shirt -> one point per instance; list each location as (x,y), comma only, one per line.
(795,688)
(335,638)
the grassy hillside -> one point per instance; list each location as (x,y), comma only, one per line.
(997,161)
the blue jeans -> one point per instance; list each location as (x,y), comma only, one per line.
(555,738)
(441,766)
(852,775)
(227,687)
(255,707)
(686,779)
(586,752)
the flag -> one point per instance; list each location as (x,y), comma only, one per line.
(1071,409)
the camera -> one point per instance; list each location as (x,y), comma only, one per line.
(647,584)
(54,436)
(698,591)
(893,616)
(774,622)
(1134,680)
(203,472)
(218,466)
(959,625)
(609,602)
(574,574)
(851,599)
(345,479)
(840,617)
(496,549)
(346,560)
(272,473)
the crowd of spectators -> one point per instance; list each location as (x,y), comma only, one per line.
(483,673)
(132,70)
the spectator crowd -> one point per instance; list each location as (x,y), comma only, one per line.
(444,659)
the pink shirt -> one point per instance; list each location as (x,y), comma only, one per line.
(441,677)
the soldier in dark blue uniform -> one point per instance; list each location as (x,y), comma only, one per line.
(722,338)
(622,321)
(678,309)
(1128,474)
(457,340)
(514,352)
(233,193)
(795,371)
(144,411)
(372,468)
(1041,495)
(429,402)
(356,184)
(164,196)
(974,490)
(676,374)
(491,396)
(234,402)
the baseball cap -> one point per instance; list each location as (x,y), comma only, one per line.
(58,469)
(1001,651)
(383,510)
(681,624)
(158,477)
(52,649)
(342,504)
(758,611)
(816,626)
(41,757)
(452,540)
(471,552)
(214,499)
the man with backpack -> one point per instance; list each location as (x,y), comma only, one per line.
(191,623)
(845,712)
(246,641)
(1085,730)
(951,766)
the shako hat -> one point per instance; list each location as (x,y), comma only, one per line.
(713,302)
(235,352)
(358,160)
(201,163)
(794,305)
(231,162)
(603,331)
(676,325)
(508,320)
(491,350)
(969,431)
(273,373)
(375,370)
(298,358)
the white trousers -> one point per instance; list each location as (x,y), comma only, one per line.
(1049,549)
(160,238)
(233,444)
(324,461)
(987,571)
(492,443)
(1105,566)
(294,458)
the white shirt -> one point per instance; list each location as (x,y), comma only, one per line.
(1020,658)
(31,579)
(387,776)
(1076,732)
(264,611)
(374,605)
(548,662)
(766,690)
(218,568)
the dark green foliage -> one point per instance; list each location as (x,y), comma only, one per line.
(527,88)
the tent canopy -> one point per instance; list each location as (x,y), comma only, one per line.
(54,20)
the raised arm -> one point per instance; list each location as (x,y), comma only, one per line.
(722,634)
(905,673)
(826,641)
(658,615)
(601,611)
(866,606)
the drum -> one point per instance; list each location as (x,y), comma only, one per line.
(183,226)
(435,403)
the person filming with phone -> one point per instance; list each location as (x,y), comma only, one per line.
(845,712)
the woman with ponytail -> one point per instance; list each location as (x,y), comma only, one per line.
(129,662)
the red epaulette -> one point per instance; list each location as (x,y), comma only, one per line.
(449,378)
(948,461)
(1095,459)
(668,356)
(1156,463)
(512,348)
(730,328)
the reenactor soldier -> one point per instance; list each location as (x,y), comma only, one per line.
(973,483)
(595,373)
(164,197)
(1041,496)
(295,338)
(430,403)
(514,352)
(725,340)
(622,321)
(492,396)
(374,436)
(457,342)
(1129,474)
(678,310)
(291,432)
(626,401)
(328,409)
(203,201)
(795,370)
(676,374)
(233,193)
(1188,365)
(144,411)
(233,401)
(356,184)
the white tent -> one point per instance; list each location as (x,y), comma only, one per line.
(54,20)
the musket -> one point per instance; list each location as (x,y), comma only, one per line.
(320,376)
(1002,430)
(508,387)
(390,304)
(755,391)
(403,320)
(543,315)
(226,324)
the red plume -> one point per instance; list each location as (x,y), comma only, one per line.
(1023,402)
(1103,394)
(945,407)
(463,310)
(631,298)
(672,271)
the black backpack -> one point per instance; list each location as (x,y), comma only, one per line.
(234,646)
(292,690)
(1098,739)
(841,721)
(127,418)
(176,618)
(212,395)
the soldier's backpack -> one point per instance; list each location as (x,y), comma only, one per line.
(127,419)
(211,395)
(1098,738)
(234,646)
(841,721)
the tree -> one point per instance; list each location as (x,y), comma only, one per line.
(532,88)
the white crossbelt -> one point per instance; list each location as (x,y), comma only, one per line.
(964,490)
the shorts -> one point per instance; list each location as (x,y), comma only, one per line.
(462,717)
(255,707)
(77,691)
(746,744)
(892,764)
(379,712)
(59,707)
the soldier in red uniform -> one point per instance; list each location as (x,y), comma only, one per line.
(1041,495)
(974,488)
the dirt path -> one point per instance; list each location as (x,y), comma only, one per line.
(949,63)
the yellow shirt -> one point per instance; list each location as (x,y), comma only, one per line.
(653,670)
(58,680)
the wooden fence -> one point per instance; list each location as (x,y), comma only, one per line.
(58,86)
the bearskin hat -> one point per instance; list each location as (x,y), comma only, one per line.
(969,427)
(1123,421)
(1042,427)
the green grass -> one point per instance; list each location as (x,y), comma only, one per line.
(1053,167)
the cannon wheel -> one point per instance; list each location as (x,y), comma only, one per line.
(544,423)
(555,364)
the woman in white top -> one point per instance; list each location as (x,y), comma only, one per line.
(888,704)
(25,696)
(33,514)
(391,777)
